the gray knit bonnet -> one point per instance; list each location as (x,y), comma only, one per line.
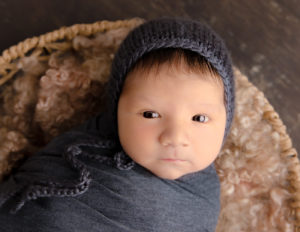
(170,32)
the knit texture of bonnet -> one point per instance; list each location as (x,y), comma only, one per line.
(169,32)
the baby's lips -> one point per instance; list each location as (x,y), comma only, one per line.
(172,160)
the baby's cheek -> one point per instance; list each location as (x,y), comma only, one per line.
(207,145)
(142,138)
(145,134)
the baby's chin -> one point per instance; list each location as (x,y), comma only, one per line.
(171,175)
(174,174)
(172,171)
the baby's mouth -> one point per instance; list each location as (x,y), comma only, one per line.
(173,160)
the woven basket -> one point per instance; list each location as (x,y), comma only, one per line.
(258,167)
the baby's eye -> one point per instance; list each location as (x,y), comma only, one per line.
(201,118)
(150,114)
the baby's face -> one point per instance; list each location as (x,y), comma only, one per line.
(172,123)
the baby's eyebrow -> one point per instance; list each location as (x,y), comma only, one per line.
(198,105)
(213,108)
(144,99)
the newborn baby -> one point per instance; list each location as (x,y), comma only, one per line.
(171,116)
(146,163)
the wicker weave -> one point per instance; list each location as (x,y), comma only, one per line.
(58,40)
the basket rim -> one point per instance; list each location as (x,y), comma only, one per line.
(64,32)
(288,152)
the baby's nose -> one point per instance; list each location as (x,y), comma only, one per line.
(174,135)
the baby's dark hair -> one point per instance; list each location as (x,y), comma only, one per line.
(193,62)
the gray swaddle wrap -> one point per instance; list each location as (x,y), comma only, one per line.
(116,200)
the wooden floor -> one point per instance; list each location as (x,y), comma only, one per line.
(262,35)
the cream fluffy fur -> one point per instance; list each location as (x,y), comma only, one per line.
(50,95)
